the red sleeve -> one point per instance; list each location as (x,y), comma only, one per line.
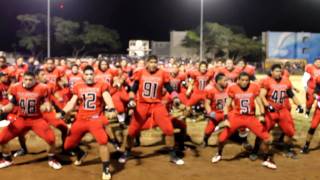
(231,92)
(264,83)
(308,68)
(166,77)
(105,87)
(136,76)
(75,89)
(256,89)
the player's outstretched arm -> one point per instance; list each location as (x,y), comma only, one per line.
(108,100)
(71,104)
(7,108)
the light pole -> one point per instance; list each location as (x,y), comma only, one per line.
(48,29)
(201,31)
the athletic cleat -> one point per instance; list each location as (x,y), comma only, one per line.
(291,154)
(80,158)
(253,157)
(124,157)
(305,150)
(216,158)
(20,152)
(176,160)
(106,175)
(5,163)
(54,164)
(269,164)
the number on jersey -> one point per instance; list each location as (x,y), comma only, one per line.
(150,89)
(278,96)
(89,101)
(244,106)
(28,105)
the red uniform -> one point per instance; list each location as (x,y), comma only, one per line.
(243,113)
(251,70)
(316,115)
(314,73)
(277,96)
(231,75)
(218,99)
(200,84)
(90,117)
(54,75)
(105,77)
(29,117)
(74,78)
(149,104)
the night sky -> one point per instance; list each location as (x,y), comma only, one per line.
(153,19)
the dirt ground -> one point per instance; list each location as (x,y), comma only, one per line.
(152,164)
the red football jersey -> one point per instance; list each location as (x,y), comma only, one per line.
(54,75)
(218,98)
(276,91)
(314,73)
(151,85)
(231,75)
(29,100)
(244,99)
(90,99)
(4,94)
(201,80)
(105,77)
(74,78)
(251,70)
(176,81)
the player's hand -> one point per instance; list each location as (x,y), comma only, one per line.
(261,118)
(270,108)
(211,115)
(132,104)
(176,101)
(299,109)
(224,124)
(111,113)
(130,112)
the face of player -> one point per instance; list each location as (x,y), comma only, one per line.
(42,77)
(241,64)
(123,63)
(74,69)
(2,62)
(152,65)
(4,79)
(229,64)
(175,69)
(28,81)
(223,82)
(50,65)
(276,73)
(317,63)
(244,81)
(203,68)
(63,62)
(57,62)
(103,66)
(140,64)
(88,77)
(19,62)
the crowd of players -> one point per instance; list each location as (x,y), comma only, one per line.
(79,97)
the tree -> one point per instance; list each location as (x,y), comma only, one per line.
(97,38)
(68,36)
(30,36)
(220,40)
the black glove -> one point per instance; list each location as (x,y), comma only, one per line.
(299,109)
(271,108)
